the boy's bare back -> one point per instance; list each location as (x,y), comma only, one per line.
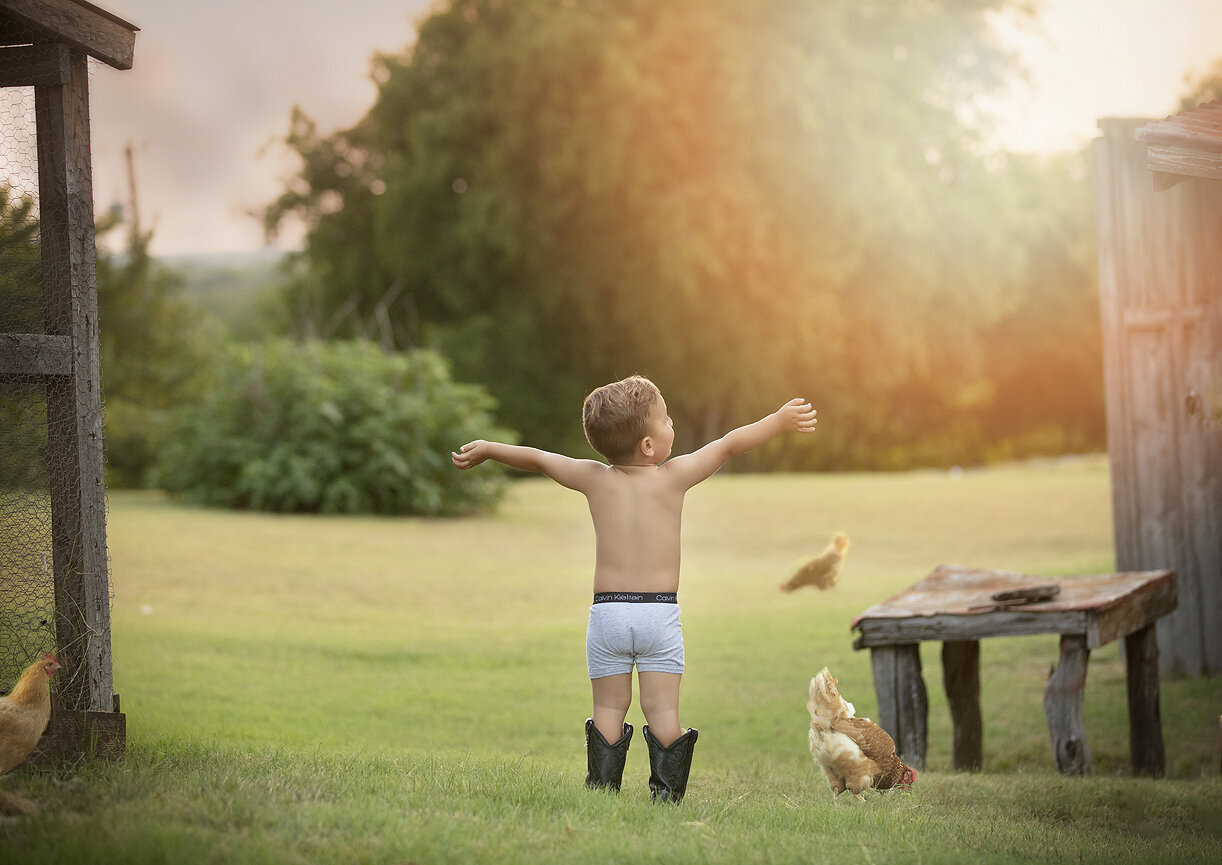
(637,512)
(637,505)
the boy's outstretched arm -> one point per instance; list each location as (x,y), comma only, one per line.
(797,415)
(565,471)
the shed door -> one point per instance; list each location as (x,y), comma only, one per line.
(1160,292)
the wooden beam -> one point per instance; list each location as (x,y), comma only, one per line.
(1142,610)
(903,706)
(961,678)
(74,402)
(1182,160)
(33,65)
(1145,722)
(1003,623)
(95,735)
(1063,696)
(34,354)
(82,25)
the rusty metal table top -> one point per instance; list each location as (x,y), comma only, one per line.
(954,603)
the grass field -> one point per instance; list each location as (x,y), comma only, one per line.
(302,689)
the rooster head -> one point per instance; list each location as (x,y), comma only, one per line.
(51,665)
(908,778)
(825,700)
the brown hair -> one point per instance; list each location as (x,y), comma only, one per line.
(615,417)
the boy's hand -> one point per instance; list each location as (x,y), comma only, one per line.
(797,415)
(470,455)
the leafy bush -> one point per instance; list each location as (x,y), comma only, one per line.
(333,428)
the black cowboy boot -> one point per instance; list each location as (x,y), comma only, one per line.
(606,761)
(669,767)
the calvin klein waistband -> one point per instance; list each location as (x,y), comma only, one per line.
(636,598)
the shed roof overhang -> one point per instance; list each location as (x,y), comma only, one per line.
(1188,144)
(77,23)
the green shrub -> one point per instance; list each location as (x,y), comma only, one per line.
(331,428)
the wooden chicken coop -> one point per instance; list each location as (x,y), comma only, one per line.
(1159,210)
(54,567)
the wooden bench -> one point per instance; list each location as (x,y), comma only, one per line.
(955,605)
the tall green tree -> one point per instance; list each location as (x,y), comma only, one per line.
(152,344)
(1206,87)
(154,347)
(738,199)
(20,263)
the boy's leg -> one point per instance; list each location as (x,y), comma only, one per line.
(612,697)
(670,749)
(660,704)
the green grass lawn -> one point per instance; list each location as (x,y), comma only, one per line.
(303,689)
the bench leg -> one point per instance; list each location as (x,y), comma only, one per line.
(903,706)
(1145,724)
(1063,707)
(961,678)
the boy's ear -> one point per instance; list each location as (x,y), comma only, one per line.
(646,446)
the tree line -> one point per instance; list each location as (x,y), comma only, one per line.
(742,201)
(739,200)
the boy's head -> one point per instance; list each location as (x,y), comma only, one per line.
(615,417)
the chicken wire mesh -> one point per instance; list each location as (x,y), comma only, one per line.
(38,474)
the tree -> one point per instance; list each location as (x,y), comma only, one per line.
(1045,361)
(715,193)
(151,344)
(23,415)
(153,351)
(20,263)
(340,427)
(1205,89)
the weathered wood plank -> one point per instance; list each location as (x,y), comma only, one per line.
(1063,697)
(1111,184)
(961,679)
(1179,160)
(32,354)
(903,706)
(956,603)
(74,403)
(1138,612)
(1008,623)
(1161,304)
(98,735)
(1145,722)
(82,25)
(33,65)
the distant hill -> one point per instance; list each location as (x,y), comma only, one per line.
(232,287)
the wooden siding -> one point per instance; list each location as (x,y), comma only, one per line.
(1160,292)
(76,23)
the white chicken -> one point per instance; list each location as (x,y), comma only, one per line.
(854,753)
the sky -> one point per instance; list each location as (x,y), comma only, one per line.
(213,85)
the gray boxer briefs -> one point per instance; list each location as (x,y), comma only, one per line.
(628,628)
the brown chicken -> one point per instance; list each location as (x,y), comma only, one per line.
(854,753)
(23,717)
(823,569)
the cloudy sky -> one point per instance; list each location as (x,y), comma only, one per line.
(214,83)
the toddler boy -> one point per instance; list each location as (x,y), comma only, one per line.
(636,503)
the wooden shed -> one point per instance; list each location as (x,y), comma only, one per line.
(1159,210)
(54,582)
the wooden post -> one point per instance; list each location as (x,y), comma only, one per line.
(1063,707)
(961,678)
(903,705)
(74,403)
(1145,723)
